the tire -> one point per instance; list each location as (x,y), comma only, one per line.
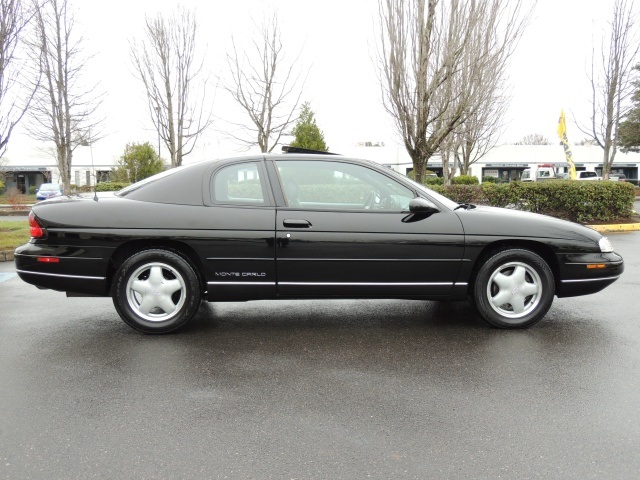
(514,288)
(156,291)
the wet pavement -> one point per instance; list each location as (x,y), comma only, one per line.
(326,389)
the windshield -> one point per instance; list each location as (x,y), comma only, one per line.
(50,186)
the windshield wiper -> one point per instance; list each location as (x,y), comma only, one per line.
(466,206)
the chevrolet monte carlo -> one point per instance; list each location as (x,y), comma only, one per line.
(304,226)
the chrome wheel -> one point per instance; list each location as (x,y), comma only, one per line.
(156,292)
(513,288)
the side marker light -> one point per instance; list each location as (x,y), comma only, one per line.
(48,260)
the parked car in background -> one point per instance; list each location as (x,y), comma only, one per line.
(587,175)
(617,177)
(48,190)
(298,226)
(540,173)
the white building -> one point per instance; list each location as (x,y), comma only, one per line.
(506,161)
(31,168)
(93,164)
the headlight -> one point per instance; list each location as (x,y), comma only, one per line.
(605,245)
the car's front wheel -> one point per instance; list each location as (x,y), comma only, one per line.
(514,288)
(156,291)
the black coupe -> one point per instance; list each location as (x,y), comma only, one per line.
(304,226)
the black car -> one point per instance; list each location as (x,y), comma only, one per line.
(304,226)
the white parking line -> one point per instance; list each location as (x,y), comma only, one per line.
(4,276)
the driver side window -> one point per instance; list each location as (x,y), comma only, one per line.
(330,185)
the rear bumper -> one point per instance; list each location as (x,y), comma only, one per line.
(73,271)
(65,283)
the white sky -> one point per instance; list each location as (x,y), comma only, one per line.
(337,39)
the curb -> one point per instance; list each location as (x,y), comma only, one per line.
(6,257)
(620,227)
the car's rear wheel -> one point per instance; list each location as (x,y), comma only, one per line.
(514,288)
(156,291)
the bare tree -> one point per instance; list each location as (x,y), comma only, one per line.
(15,94)
(166,62)
(442,64)
(495,34)
(611,82)
(63,110)
(265,88)
(479,135)
(471,140)
(533,139)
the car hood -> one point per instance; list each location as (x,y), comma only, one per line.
(493,221)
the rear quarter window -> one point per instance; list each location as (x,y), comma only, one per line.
(238,184)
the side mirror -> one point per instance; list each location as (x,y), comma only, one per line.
(422,205)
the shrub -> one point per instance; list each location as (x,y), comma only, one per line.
(110,186)
(577,201)
(465,180)
(434,181)
(248,189)
(413,177)
(462,193)
(15,198)
(333,193)
(32,189)
(492,180)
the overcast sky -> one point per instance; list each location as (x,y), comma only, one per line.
(336,39)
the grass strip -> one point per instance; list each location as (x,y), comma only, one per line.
(13,234)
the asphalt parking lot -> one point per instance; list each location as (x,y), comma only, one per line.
(331,389)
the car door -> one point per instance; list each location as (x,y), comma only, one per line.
(240,258)
(346,230)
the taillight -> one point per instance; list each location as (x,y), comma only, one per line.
(35,229)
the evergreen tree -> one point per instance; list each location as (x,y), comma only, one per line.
(629,131)
(139,161)
(306,132)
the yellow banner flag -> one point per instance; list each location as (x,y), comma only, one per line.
(562,125)
(562,133)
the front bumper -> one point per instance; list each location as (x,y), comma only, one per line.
(586,273)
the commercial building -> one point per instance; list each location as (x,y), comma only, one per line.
(506,162)
(28,170)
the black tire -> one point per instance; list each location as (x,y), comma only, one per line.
(514,288)
(156,291)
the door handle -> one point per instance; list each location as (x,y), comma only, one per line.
(293,223)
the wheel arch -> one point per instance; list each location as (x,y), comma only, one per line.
(132,247)
(537,247)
